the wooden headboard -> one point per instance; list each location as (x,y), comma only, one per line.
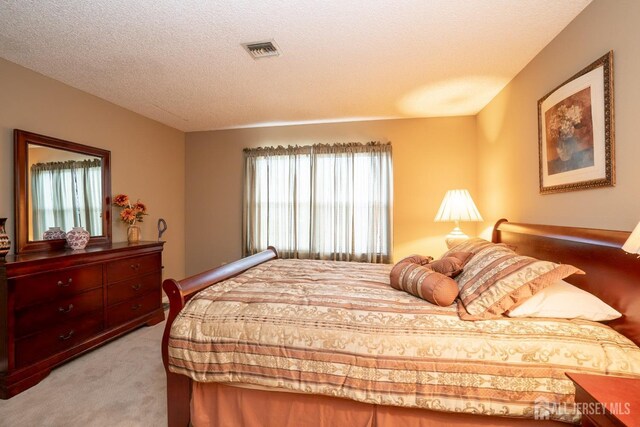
(612,274)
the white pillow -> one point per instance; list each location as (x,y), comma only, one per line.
(565,301)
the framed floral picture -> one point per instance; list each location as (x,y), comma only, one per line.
(575,131)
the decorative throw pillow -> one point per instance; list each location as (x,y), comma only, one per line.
(472,245)
(497,279)
(417,259)
(452,264)
(424,283)
(565,301)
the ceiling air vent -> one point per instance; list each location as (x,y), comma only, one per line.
(263,49)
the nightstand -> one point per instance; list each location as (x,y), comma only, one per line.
(607,401)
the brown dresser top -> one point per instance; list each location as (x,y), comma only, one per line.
(25,263)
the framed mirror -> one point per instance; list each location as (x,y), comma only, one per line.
(59,185)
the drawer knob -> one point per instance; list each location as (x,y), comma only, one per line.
(136,307)
(65,310)
(63,284)
(66,336)
(135,266)
(136,287)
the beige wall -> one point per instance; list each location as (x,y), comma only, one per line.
(494,155)
(147,158)
(430,156)
(508,127)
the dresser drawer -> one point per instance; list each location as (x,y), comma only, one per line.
(37,317)
(132,288)
(123,269)
(129,310)
(57,338)
(55,285)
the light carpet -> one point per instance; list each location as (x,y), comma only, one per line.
(121,384)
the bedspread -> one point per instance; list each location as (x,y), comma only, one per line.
(339,329)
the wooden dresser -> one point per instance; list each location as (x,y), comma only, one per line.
(57,305)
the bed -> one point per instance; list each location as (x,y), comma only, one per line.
(303,359)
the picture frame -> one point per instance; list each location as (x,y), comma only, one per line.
(576,131)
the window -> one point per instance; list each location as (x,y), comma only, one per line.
(319,202)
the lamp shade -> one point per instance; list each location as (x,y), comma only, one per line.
(632,245)
(457,205)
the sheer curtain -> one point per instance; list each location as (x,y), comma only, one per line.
(88,188)
(66,195)
(320,202)
(52,201)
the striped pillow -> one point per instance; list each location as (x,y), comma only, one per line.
(423,282)
(497,279)
(473,245)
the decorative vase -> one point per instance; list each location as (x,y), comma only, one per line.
(134,234)
(5,243)
(77,238)
(54,233)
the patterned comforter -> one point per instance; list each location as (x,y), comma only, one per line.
(339,329)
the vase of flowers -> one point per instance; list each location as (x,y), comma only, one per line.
(131,214)
(133,234)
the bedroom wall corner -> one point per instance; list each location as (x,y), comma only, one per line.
(508,127)
(430,156)
(147,158)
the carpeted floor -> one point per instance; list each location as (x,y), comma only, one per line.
(121,384)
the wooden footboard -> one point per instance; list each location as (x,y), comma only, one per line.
(179,292)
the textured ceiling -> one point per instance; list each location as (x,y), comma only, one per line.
(180,61)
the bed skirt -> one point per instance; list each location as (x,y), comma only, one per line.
(214,404)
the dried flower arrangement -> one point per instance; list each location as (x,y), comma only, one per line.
(130,213)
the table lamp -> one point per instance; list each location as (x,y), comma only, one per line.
(632,245)
(457,206)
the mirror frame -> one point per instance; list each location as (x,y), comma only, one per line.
(22,205)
